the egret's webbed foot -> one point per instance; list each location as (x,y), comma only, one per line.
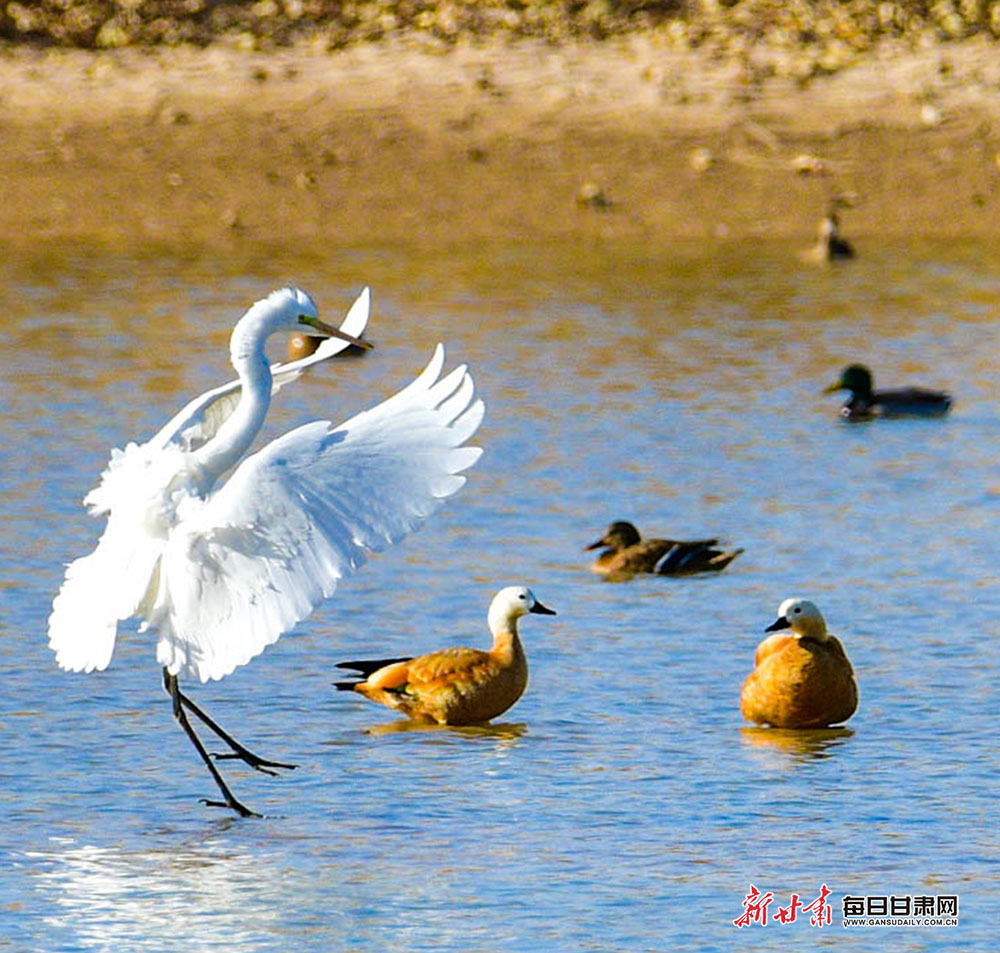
(233,805)
(259,764)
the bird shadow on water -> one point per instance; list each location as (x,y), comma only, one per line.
(801,744)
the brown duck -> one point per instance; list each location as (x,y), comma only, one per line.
(830,245)
(456,686)
(801,678)
(627,553)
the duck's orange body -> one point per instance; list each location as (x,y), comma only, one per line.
(801,679)
(457,686)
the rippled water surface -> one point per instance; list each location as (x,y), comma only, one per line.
(622,805)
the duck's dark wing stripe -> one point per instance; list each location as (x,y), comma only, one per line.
(366,666)
(913,395)
(681,554)
(688,556)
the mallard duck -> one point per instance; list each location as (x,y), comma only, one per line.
(830,246)
(801,678)
(456,686)
(628,553)
(867,403)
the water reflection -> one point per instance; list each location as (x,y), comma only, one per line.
(801,744)
(113,898)
(504,731)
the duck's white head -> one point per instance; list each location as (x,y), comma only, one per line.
(802,617)
(510,604)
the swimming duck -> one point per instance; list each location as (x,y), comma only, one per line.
(627,553)
(456,686)
(867,403)
(830,246)
(801,678)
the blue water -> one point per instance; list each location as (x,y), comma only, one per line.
(621,805)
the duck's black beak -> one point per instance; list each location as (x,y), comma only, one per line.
(597,544)
(542,610)
(777,624)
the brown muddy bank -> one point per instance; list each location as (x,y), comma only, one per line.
(398,142)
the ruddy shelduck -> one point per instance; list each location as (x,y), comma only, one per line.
(627,553)
(456,686)
(802,678)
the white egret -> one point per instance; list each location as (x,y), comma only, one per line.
(219,572)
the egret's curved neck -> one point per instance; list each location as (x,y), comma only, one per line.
(246,351)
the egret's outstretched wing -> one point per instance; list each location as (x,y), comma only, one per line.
(111,583)
(99,590)
(294,518)
(199,420)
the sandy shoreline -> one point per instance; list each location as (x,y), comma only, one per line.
(393,143)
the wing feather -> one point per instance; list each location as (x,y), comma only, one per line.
(83,624)
(103,588)
(453,664)
(264,550)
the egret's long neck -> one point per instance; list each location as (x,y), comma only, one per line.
(246,351)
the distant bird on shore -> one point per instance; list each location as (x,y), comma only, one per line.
(801,678)
(627,553)
(456,686)
(830,246)
(866,403)
(221,572)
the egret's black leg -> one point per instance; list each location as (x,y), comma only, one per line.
(244,754)
(239,751)
(170,684)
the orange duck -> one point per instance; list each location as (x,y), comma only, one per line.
(456,686)
(801,678)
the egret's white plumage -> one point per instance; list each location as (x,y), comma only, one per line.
(221,571)
(199,420)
